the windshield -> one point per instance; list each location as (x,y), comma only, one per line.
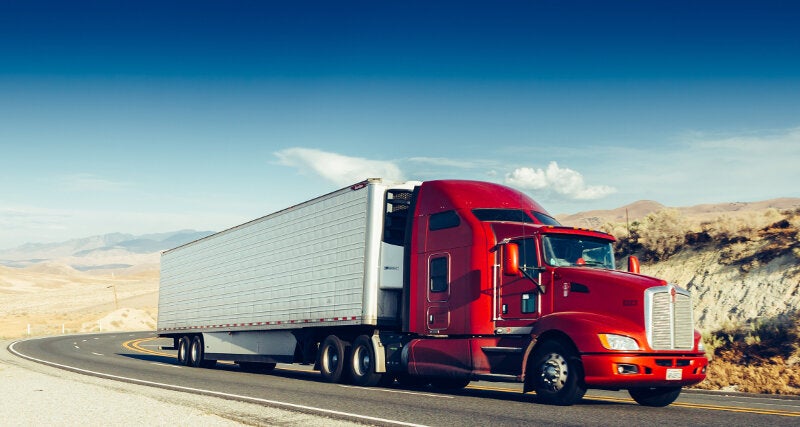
(562,250)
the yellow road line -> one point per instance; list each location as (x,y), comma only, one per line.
(135,345)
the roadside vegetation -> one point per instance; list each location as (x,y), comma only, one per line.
(757,355)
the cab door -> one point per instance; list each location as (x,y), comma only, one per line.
(518,297)
(437,316)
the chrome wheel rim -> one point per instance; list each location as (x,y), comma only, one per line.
(554,372)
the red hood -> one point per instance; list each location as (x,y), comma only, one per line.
(611,292)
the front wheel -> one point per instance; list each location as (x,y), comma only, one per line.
(557,374)
(655,396)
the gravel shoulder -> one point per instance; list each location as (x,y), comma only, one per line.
(35,394)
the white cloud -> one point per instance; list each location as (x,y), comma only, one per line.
(563,181)
(339,169)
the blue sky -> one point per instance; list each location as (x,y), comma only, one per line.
(147,117)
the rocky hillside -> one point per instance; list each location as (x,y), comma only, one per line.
(742,264)
(741,261)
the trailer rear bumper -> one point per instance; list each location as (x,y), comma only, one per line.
(627,371)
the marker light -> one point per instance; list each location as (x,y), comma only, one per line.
(618,342)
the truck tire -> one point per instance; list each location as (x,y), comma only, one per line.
(557,374)
(184,343)
(655,396)
(196,352)
(362,363)
(333,355)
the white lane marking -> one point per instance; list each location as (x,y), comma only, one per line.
(399,391)
(98,354)
(165,364)
(214,393)
(76,346)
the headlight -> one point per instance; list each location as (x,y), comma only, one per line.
(618,342)
(701,346)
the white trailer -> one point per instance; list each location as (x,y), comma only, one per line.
(260,292)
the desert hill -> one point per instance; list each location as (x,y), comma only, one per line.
(103,252)
(640,209)
(99,283)
(740,260)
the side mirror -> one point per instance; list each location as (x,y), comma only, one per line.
(633,264)
(511,259)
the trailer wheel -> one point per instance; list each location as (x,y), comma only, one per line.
(333,359)
(197,355)
(183,350)
(362,364)
(196,352)
(655,396)
(557,374)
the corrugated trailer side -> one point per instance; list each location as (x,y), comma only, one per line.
(305,265)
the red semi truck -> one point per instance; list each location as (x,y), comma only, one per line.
(437,282)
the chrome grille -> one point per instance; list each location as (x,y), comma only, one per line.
(670,325)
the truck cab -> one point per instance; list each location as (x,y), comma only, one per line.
(498,290)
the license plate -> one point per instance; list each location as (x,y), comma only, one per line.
(674,374)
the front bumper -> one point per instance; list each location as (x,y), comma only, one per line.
(627,371)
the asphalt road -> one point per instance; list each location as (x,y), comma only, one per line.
(136,358)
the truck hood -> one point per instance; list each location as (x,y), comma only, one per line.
(611,292)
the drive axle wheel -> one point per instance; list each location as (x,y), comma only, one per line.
(362,363)
(557,374)
(333,355)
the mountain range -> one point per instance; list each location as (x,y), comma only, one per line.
(107,251)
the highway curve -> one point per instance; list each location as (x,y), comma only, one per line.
(136,358)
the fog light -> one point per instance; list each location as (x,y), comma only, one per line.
(625,369)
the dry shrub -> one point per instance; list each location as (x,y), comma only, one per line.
(655,237)
(775,378)
(748,240)
(762,356)
(761,341)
